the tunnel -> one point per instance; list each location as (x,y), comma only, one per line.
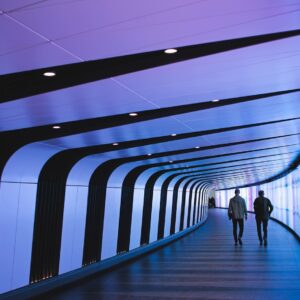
(127,128)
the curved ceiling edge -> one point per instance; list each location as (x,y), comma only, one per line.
(293,166)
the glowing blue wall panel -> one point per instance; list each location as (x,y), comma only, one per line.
(137,216)
(284,193)
(24,235)
(8,222)
(186,209)
(155,215)
(111,222)
(192,206)
(17,207)
(66,250)
(73,228)
(168,213)
(178,211)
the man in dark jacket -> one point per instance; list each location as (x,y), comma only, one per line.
(263,209)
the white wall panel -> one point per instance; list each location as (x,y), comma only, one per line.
(79,230)
(196,204)
(9,209)
(192,205)
(178,211)
(137,216)
(155,215)
(24,235)
(68,230)
(187,195)
(73,228)
(111,222)
(168,213)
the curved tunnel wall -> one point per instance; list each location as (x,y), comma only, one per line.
(135,211)
(284,194)
(65,208)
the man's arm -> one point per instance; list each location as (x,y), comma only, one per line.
(270,206)
(255,205)
(229,212)
(245,208)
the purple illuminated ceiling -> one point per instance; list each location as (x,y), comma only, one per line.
(38,34)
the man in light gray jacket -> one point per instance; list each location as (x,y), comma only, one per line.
(237,210)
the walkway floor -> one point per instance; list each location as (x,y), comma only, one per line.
(205,265)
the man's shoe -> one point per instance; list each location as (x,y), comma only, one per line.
(260,242)
(240,241)
(265,243)
(235,243)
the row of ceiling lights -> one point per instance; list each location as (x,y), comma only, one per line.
(167,51)
(116,144)
(133,114)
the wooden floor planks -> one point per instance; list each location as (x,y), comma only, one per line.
(204,265)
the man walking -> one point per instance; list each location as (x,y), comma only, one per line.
(237,210)
(263,209)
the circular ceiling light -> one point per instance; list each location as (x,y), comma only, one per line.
(197,147)
(56,127)
(170,161)
(173,134)
(133,114)
(115,144)
(49,74)
(215,100)
(170,51)
(149,154)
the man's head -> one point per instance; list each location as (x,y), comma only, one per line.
(261,193)
(237,191)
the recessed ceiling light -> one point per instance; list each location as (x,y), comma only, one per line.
(49,74)
(115,144)
(170,161)
(133,114)
(56,127)
(197,147)
(215,100)
(149,154)
(173,134)
(170,51)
